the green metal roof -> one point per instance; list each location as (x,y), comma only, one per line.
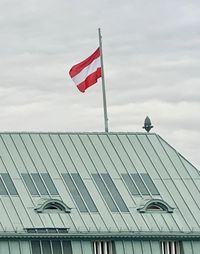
(91,173)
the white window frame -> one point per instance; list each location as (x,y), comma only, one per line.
(170,247)
(102,247)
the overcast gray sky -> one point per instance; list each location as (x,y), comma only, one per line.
(151,57)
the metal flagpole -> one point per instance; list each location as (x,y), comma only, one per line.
(103,83)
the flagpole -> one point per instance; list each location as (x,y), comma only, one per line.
(103,83)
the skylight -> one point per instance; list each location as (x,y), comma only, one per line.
(115,193)
(84,192)
(150,185)
(140,184)
(9,183)
(105,193)
(49,184)
(130,184)
(30,184)
(3,190)
(79,192)
(75,193)
(40,184)
(110,192)
(7,186)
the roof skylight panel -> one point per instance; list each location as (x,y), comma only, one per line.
(110,193)
(9,183)
(49,184)
(30,184)
(149,183)
(130,184)
(39,183)
(115,193)
(75,193)
(140,184)
(105,193)
(3,190)
(84,192)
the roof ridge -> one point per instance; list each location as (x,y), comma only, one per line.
(75,132)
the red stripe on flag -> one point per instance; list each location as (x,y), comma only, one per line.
(80,66)
(89,81)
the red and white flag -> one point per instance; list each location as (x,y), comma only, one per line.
(86,73)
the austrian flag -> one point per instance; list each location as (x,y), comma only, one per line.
(86,73)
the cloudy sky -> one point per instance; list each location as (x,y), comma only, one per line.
(151,57)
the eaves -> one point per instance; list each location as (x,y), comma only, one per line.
(111,236)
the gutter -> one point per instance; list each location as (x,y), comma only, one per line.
(106,235)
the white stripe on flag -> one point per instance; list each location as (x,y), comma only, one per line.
(81,76)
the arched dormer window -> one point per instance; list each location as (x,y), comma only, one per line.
(52,206)
(155,205)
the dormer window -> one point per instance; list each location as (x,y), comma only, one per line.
(155,205)
(52,206)
(156,208)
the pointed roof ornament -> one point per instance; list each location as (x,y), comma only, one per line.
(147,124)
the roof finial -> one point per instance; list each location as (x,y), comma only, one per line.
(147,124)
